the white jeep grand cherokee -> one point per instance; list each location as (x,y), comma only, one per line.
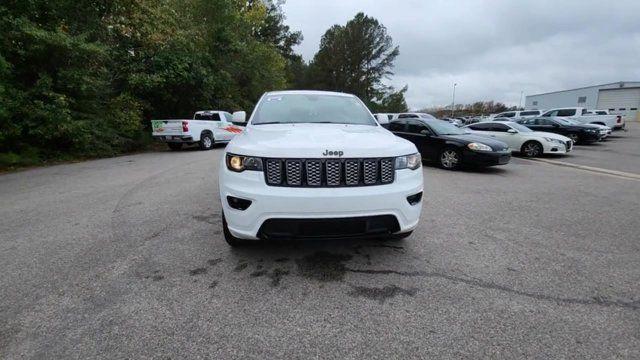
(315,164)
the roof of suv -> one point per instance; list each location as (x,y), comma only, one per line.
(308,92)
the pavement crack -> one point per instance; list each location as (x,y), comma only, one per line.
(600,301)
(381,294)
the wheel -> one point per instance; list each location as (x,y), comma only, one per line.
(206,141)
(574,137)
(450,159)
(228,237)
(174,146)
(531,149)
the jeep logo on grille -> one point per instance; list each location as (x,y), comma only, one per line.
(333,153)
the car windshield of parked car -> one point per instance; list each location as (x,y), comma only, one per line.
(520,128)
(445,128)
(311,108)
(427,116)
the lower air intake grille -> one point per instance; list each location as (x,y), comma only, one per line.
(329,172)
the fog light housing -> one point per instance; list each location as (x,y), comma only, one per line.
(415,198)
(238,203)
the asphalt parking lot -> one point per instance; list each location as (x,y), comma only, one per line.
(124,258)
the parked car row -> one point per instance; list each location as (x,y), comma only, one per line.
(450,142)
(491,142)
(578,114)
(448,145)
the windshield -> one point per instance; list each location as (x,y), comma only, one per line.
(445,128)
(520,128)
(311,108)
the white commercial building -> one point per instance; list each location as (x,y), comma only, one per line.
(621,97)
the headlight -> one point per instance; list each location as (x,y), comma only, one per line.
(239,163)
(479,147)
(412,161)
(553,140)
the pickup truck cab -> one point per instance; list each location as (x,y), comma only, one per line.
(518,114)
(316,164)
(207,128)
(583,116)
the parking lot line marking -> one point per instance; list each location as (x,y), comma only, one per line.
(614,173)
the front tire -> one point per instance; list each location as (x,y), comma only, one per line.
(206,141)
(450,159)
(574,137)
(531,149)
(228,237)
(174,146)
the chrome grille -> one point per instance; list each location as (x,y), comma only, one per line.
(333,169)
(329,172)
(314,172)
(386,171)
(352,172)
(294,172)
(370,171)
(274,172)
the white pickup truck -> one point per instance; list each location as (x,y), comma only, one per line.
(206,128)
(583,116)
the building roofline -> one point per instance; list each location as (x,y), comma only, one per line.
(584,87)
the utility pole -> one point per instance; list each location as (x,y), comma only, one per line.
(453,100)
(521,95)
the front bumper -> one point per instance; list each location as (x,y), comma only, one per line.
(556,148)
(272,202)
(588,137)
(482,158)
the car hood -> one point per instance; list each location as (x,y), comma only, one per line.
(314,140)
(577,127)
(597,126)
(550,135)
(496,145)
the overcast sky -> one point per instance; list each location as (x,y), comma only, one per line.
(493,49)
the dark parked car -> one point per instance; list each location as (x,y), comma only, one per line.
(450,146)
(577,133)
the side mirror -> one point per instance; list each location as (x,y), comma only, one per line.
(425,132)
(239,117)
(512,131)
(382,119)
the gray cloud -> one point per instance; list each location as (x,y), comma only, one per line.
(492,49)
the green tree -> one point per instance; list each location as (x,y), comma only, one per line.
(392,101)
(355,58)
(83,77)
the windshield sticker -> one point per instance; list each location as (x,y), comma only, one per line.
(275,98)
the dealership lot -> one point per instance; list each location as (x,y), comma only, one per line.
(124,257)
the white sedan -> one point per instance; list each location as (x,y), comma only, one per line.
(521,139)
